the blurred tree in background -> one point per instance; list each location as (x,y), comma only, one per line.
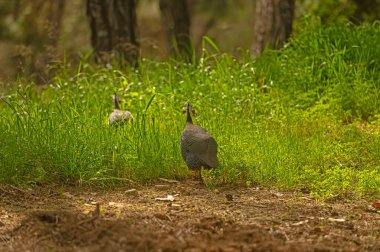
(28,27)
(366,10)
(36,36)
(176,23)
(113,30)
(331,11)
(273,24)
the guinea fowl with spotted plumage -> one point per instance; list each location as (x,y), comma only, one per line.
(198,148)
(118,116)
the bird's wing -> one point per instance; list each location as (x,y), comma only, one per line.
(126,115)
(199,142)
(113,117)
(209,156)
(119,115)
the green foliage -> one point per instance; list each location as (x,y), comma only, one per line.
(329,68)
(304,117)
(332,11)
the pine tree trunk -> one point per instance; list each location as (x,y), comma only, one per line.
(113,29)
(363,7)
(55,21)
(273,24)
(176,23)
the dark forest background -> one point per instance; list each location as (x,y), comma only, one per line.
(38,35)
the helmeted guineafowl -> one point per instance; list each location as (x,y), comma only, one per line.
(119,116)
(198,147)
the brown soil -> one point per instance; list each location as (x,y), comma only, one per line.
(199,219)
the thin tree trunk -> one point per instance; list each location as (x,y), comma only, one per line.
(176,23)
(365,7)
(113,29)
(56,14)
(273,24)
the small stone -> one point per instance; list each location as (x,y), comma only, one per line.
(176,206)
(162,187)
(229,197)
(68,195)
(280,235)
(132,192)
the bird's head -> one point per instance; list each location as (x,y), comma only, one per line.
(190,109)
(116,100)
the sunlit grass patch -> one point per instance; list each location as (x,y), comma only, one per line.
(304,117)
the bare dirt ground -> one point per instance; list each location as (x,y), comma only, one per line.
(54,218)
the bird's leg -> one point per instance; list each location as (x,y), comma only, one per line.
(200,176)
(194,175)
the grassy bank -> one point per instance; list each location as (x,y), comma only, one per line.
(304,117)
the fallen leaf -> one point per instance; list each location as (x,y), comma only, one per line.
(336,220)
(277,194)
(68,195)
(260,206)
(176,206)
(131,191)
(300,223)
(162,216)
(162,187)
(168,198)
(376,205)
(96,212)
(171,181)
(115,204)
(280,235)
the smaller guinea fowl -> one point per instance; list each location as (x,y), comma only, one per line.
(198,148)
(119,116)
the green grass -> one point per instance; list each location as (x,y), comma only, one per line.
(304,117)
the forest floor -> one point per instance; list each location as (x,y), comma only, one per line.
(181,216)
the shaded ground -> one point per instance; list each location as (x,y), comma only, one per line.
(199,219)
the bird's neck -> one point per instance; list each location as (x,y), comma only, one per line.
(189,120)
(116,103)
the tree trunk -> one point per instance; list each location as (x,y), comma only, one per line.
(363,7)
(55,21)
(113,29)
(273,24)
(176,23)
